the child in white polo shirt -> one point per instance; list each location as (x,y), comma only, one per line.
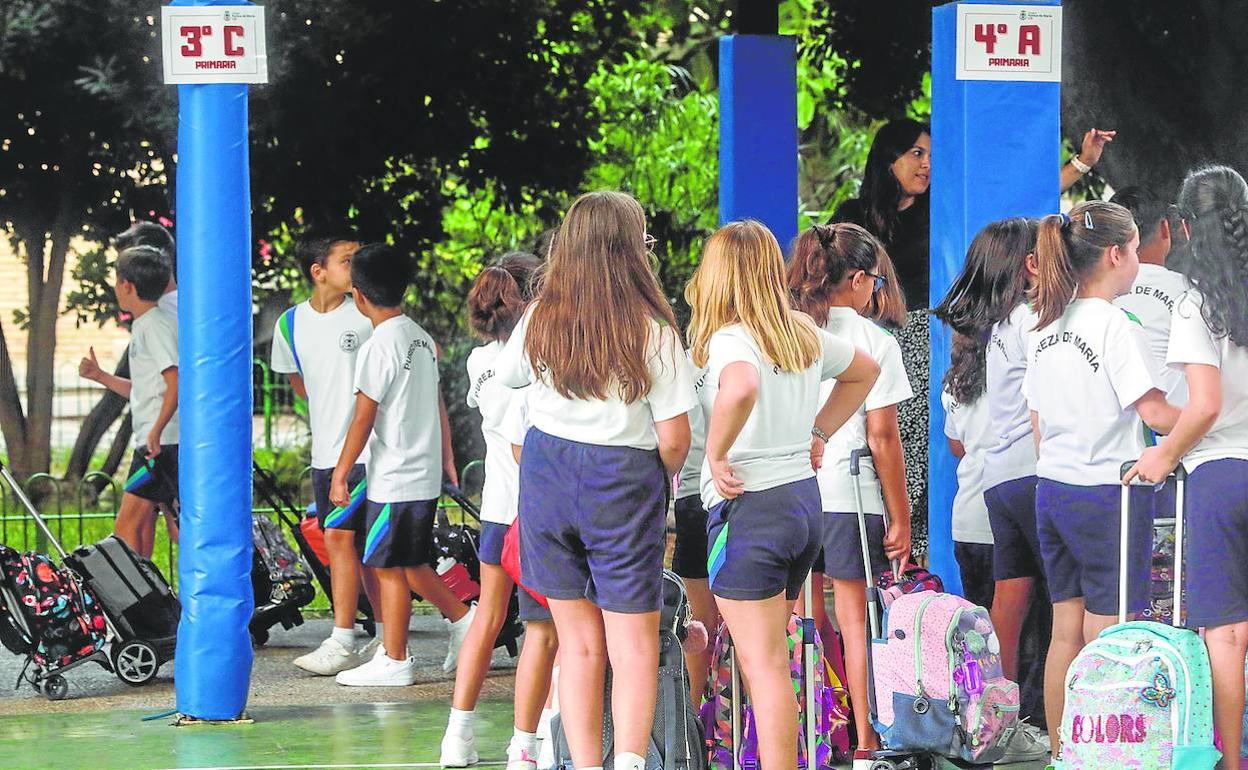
(399,404)
(315,344)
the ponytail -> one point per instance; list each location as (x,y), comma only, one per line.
(1216,200)
(1069,249)
(495,304)
(823,256)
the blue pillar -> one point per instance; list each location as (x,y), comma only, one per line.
(213,664)
(758,132)
(996,154)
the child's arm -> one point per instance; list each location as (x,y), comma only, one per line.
(957,448)
(850,392)
(738,392)
(448,451)
(357,436)
(168,405)
(674,437)
(296,384)
(1204,404)
(89,369)
(1035,430)
(1156,412)
(884,439)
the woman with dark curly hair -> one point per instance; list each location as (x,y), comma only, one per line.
(1209,341)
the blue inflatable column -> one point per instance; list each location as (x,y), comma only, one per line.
(214,656)
(758,132)
(996,154)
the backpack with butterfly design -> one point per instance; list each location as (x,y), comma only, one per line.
(1141,693)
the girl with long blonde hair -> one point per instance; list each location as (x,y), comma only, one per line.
(764,364)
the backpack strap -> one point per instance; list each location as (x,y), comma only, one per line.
(286,324)
(671,713)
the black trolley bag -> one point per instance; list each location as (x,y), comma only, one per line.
(138,610)
(281,579)
(290,515)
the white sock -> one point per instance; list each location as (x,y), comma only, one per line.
(380,631)
(462,722)
(466,619)
(345,637)
(543,722)
(629,761)
(522,741)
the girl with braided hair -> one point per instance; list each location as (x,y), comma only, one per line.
(1209,343)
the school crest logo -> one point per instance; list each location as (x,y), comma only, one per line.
(349,342)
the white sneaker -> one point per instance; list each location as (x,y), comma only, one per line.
(381,671)
(459,630)
(1027,743)
(330,658)
(545,746)
(459,750)
(519,759)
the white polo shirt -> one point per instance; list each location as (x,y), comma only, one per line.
(322,348)
(969,425)
(500,493)
(1151,300)
(398,368)
(1085,372)
(153,350)
(892,387)
(1012,454)
(773,447)
(610,421)
(1192,342)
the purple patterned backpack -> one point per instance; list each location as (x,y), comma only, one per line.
(831,702)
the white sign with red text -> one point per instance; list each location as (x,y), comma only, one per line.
(214,44)
(1010,42)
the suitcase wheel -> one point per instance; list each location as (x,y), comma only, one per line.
(135,662)
(55,687)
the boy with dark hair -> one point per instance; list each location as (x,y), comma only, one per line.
(152,234)
(399,403)
(142,274)
(1156,288)
(315,343)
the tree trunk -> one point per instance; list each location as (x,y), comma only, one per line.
(96,424)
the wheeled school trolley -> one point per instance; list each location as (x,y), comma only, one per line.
(886,758)
(140,612)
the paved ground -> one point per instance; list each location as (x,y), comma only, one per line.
(274,680)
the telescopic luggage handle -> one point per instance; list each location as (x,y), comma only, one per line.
(1179,474)
(855,470)
(30,509)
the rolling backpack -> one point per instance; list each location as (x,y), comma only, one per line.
(65,620)
(676,736)
(1141,694)
(724,696)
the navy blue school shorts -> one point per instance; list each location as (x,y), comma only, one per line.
(157,479)
(490,549)
(842,546)
(398,534)
(1015,539)
(689,556)
(1217,547)
(530,609)
(593,520)
(330,516)
(1079,530)
(764,542)
(975,568)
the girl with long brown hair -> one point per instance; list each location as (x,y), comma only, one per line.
(608,402)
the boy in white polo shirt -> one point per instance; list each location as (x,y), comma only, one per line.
(399,404)
(142,274)
(315,343)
